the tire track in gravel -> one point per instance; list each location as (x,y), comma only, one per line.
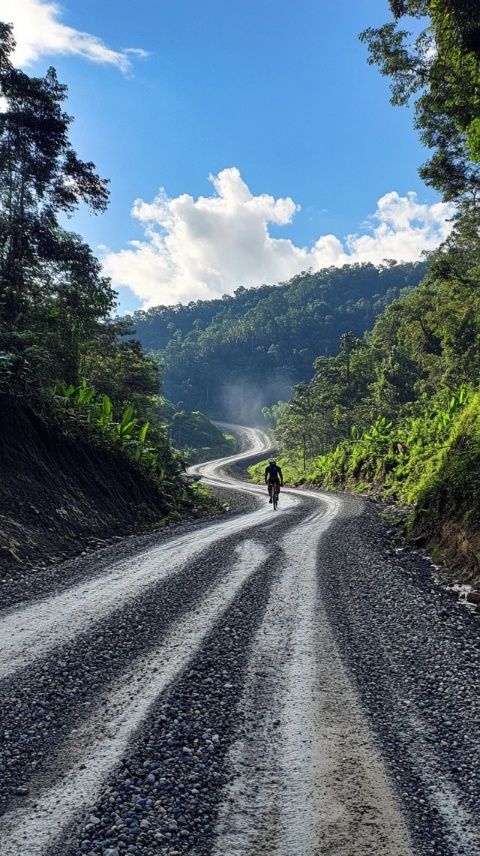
(308,780)
(29,632)
(163,797)
(100,742)
(64,687)
(414,656)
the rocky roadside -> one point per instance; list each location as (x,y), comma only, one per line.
(414,656)
(397,517)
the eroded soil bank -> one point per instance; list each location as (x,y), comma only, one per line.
(59,495)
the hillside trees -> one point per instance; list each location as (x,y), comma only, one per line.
(424,346)
(62,356)
(52,293)
(440,68)
(247,350)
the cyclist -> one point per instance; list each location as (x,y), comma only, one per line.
(273,475)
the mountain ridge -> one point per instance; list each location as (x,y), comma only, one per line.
(232,355)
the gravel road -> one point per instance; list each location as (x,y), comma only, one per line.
(271,684)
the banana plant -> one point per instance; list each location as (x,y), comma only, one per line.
(79,396)
(128,422)
(83,395)
(105,415)
(63,393)
(380,431)
(142,452)
(142,434)
(454,406)
(98,412)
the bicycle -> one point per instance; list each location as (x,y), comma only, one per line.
(275,494)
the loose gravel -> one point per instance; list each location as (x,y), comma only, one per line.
(411,652)
(41,704)
(164,798)
(34,583)
(414,655)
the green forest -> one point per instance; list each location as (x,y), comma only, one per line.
(63,355)
(397,411)
(232,356)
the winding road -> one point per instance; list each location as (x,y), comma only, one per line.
(269,683)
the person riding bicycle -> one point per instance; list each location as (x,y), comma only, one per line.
(273,475)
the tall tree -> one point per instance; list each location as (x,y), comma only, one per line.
(440,67)
(51,285)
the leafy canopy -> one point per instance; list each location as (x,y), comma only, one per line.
(52,293)
(438,64)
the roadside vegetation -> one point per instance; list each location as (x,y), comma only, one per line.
(64,359)
(397,411)
(197,437)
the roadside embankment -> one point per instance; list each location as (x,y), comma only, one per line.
(59,494)
(447,513)
(436,483)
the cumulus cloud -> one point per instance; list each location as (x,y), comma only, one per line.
(39,31)
(206,247)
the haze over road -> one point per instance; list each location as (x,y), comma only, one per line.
(202,693)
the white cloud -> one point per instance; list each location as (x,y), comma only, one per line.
(38,32)
(206,247)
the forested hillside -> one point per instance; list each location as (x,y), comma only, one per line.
(397,411)
(69,381)
(229,357)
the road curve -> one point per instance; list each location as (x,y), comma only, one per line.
(193,697)
(299,790)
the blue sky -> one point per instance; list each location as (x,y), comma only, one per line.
(280,91)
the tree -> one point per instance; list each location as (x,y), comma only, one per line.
(52,293)
(440,67)
(121,370)
(263,341)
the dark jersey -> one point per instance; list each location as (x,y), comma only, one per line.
(273,473)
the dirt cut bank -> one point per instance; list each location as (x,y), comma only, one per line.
(57,493)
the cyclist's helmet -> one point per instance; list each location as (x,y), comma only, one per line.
(273,463)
